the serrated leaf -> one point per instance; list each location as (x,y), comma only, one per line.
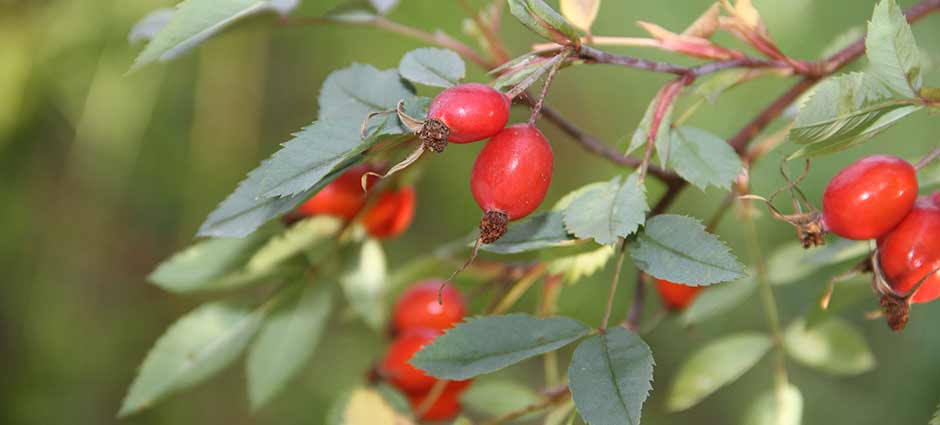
(432,67)
(767,411)
(607,213)
(495,398)
(286,340)
(845,111)
(539,17)
(678,249)
(243,211)
(194,21)
(892,50)
(204,265)
(663,135)
(717,364)
(294,241)
(347,98)
(197,346)
(148,26)
(486,344)
(576,267)
(703,159)
(581,13)
(542,230)
(833,346)
(364,283)
(717,300)
(610,377)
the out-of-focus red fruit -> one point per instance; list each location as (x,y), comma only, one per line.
(445,406)
(677,296)
(418,307)
(392,213)
(396,366)
(343,197)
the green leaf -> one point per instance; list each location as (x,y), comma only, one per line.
(841,41)
(206,264)
(194,21)
(713,86)
(845,111)
(242,212)
(432,67)
(539,17)
(678,249)
(286,340)
(789,264)
(352,11)
(542,230)
(608,212)
(833,346)
(703,159)
(347,98)
(610,377)
(716,300)
(295,240)
(714,366)
(892,50)
(197,346)
(663,135)
(395,398)
(767,411)
(495,398)
(486,344)
(530,66)
(839,250)
(578,266)
(148,26)
(364,283)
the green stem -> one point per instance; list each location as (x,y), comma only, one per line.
(781,379)
(613,285)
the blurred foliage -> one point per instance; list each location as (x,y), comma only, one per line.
(103,174)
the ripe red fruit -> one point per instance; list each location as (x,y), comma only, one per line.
(445,406)
(471,112)
(343,197)
(418,307)
(911,251)
(395,367)
(392,214)
(677,296)
(869,197)
(510,177)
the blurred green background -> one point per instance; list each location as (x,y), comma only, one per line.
(104,174)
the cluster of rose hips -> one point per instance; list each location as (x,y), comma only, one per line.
(389,216)
(875,198)
(513,171)
(419,317)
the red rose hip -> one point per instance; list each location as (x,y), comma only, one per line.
(470,112)
(392,214)
(869,197)
(396,366)
(911,251)
(343,197)
(510,177)
(418,307)
(676,296)
(445,406)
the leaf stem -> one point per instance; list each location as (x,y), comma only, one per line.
(636,308)
(534,407)
(613,285)
(520,288)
